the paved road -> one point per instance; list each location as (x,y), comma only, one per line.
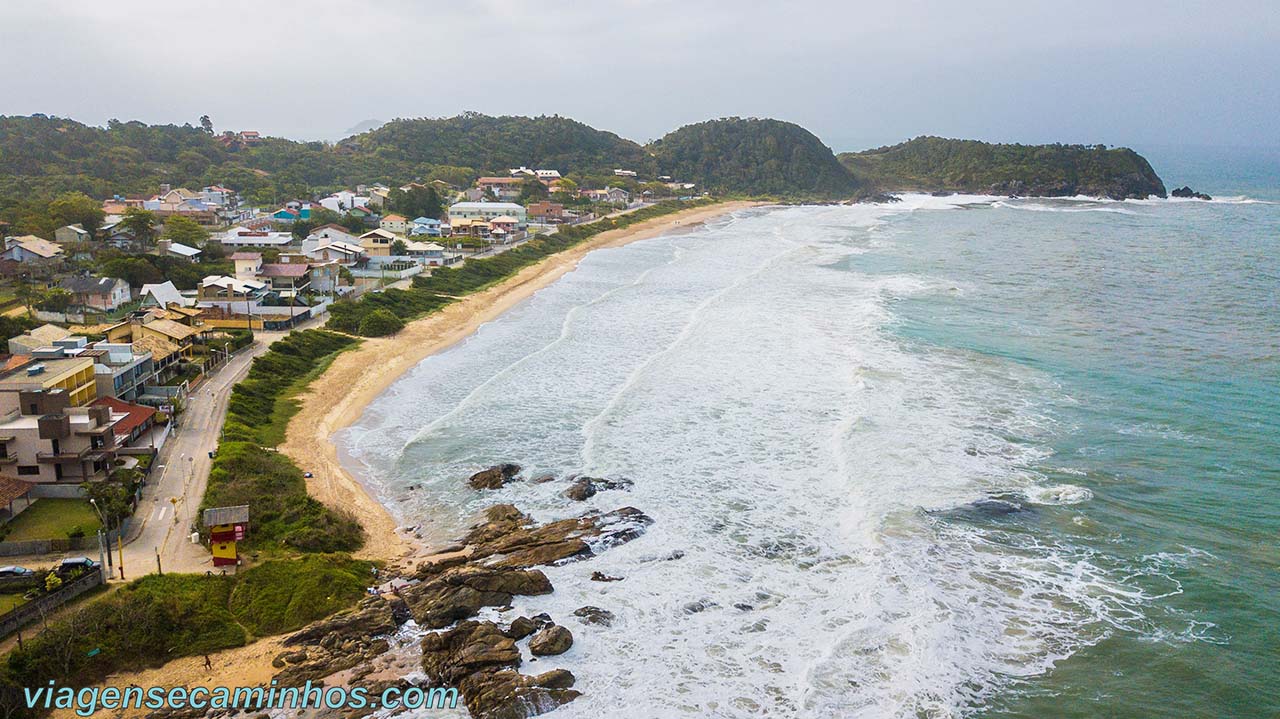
(167,514)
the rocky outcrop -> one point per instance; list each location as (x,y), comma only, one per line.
(494,477)
(480,660)
(509,538)
(594,615)
(1190,194)
(584,488)
(460,592)
(551,641)
(340,642)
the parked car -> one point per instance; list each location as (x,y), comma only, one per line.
(74,565)
(14,571)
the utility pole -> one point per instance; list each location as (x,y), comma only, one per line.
(159,570)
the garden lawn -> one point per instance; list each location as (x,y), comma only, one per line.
(53,519)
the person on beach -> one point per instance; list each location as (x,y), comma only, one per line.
(208,664)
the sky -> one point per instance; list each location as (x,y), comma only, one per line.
(858,74)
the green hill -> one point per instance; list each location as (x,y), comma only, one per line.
(755,157)
(932,164)
(498,143)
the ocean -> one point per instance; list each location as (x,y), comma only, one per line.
(948,457)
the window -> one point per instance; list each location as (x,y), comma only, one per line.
(28,469)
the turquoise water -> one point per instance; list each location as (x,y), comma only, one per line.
(1159,326)
(951,457)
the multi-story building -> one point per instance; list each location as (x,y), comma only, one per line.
(49,440)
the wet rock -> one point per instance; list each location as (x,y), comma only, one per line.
(602,577)
(544,478)
(1188,193)
(594,615)
(555,679)
(494,477)
(513,540)
(521,627)
(550,641)
(584,488)
(294,657)
(508,694)
(699,606)
(460,592)
(743,607)
(478,659)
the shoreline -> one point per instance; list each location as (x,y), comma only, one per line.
(338,397)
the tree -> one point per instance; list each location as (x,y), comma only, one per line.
(185,230)
(399,248)
(206,124)
(532,190)
(77,208)
(380,323)
(212,251)
(142,223)
(134,270)
(55,300)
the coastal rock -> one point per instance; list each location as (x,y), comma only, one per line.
(543,479)
(373,616)
(584,488)
(494,477)
(480,660)
(460,592)
(602,577)
(594,615)
(508,694)
(1188,193)
(521,627)
(552,640)
(511,539)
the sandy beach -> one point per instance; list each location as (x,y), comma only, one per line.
(338,397)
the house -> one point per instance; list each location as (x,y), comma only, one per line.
(545,211)
(286,279)
(103,294)
(474,194)
(608,194)
(469,228)
(121,369)
(29,249)
(624,173)
(547,176)
(238,237)
(365,213)
(377,243)
(71,234)
(222,291)
(344,253)
(333,233)
(153,324)
(136,421)
(323,272)
(42,336)
(177,249)
(431,254)
(292,212)
(486,211)
(506,224)
(248,264)
(425,226)
(49,439)
(163,295)
(503,188)
(398,224)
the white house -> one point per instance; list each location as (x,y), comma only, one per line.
(162,294)
(487,211)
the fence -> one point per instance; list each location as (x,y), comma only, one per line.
(21,616)
(58,545)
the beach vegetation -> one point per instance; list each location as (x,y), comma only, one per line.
(380,323)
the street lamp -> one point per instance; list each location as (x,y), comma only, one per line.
(101,541)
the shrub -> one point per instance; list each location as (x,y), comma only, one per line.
(380,323)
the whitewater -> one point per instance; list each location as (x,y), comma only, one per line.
(847,522)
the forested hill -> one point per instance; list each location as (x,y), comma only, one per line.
(938,164)
(754,156)
(481,141)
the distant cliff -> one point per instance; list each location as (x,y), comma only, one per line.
(933,164)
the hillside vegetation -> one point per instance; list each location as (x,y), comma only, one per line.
(755,157)
(933,164)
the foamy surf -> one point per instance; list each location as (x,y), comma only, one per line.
(825,539)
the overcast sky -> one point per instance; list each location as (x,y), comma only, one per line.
(858,74)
